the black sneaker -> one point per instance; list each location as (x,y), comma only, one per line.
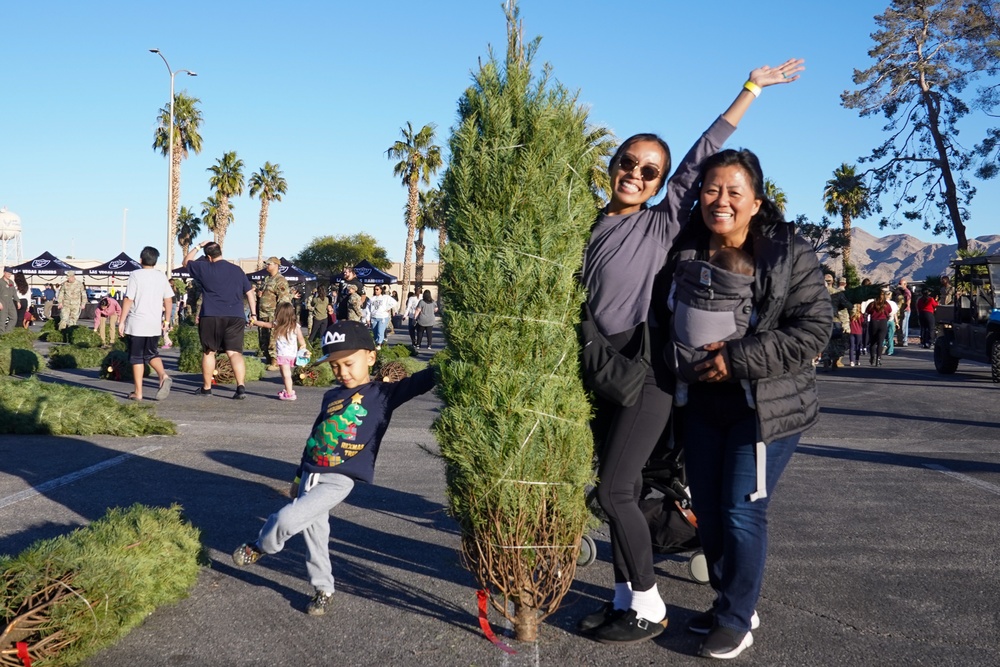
(703,623)
(319,603)
(203,392)
(629,629)
(241,393)
(725,643)
(596,619)
(246,554)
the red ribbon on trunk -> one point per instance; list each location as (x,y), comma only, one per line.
(485,624)
(22,653)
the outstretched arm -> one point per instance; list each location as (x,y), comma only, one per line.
(760,78)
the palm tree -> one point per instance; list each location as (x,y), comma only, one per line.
(429,217)
(419,159)
(187,123)
(227,179)
(776,195)
(210,213)
(270,185)
(188,227)
(847,195)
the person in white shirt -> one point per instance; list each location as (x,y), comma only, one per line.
(380,307)
(148,299)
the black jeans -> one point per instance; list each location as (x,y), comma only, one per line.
(626,438)
(421,329)
(927,327)
(877,331)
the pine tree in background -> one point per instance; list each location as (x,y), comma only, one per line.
(515,432)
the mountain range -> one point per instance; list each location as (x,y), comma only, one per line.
(889,258)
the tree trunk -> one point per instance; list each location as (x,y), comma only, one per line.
(932,104)
(222,220)
(525,621)
(174,208)
(846,250)
(418,270)
(411,230)
(264,202)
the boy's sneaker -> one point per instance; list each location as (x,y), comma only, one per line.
(246,554)
(629,629)
(725,643)
(241,392)
(203,392)
(286,396)
(703,623)
(319,603)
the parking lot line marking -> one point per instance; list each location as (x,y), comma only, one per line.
(45,487)
(985,486)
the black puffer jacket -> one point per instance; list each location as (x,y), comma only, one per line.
(794,321)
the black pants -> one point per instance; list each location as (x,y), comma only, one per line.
(877,332)
(626,438)
(421,329)
(927,327)
(318,327)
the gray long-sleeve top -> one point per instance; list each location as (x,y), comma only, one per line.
(627,251)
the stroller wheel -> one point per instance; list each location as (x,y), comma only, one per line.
(588,552)
(698,567)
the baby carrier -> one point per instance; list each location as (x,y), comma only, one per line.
(709,304)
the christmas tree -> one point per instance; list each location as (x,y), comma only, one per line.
(514,432)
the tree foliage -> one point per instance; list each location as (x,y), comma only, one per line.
(847,195)
(187,139)
(188,228)
(419,159)
(327,255)
(227,180)
(821,236)
(926,53)
(269,185)
(515,428)
(776,195)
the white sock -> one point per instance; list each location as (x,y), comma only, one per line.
(623,596)
(649,605)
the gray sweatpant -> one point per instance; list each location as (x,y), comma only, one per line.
(309,514)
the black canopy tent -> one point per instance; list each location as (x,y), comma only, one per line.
(369,275)
(291,273)
(120,266)
(45,264)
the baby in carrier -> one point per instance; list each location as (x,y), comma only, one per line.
(711,302)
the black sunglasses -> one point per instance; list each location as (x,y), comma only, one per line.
(647,172)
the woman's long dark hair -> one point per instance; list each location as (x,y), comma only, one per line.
(20,282)
(748,162)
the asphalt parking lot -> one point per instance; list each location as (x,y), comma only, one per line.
(884,537)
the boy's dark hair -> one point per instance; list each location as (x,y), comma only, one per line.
(149,256)
(213,250)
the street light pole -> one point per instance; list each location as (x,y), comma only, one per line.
(171,221)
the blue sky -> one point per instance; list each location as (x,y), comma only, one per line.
(322,88)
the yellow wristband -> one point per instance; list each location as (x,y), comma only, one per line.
(753,88)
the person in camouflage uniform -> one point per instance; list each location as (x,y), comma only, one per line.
(273,290)
(837,346)
(8,302)
(72,299)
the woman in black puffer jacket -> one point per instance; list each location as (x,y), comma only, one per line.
(757,389)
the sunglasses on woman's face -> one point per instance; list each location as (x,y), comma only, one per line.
(647,172)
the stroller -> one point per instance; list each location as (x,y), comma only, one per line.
(666,504)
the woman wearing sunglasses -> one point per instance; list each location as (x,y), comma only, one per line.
(627,250)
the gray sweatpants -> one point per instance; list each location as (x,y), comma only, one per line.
(309,514)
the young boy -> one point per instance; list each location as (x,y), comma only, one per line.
(341,450)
